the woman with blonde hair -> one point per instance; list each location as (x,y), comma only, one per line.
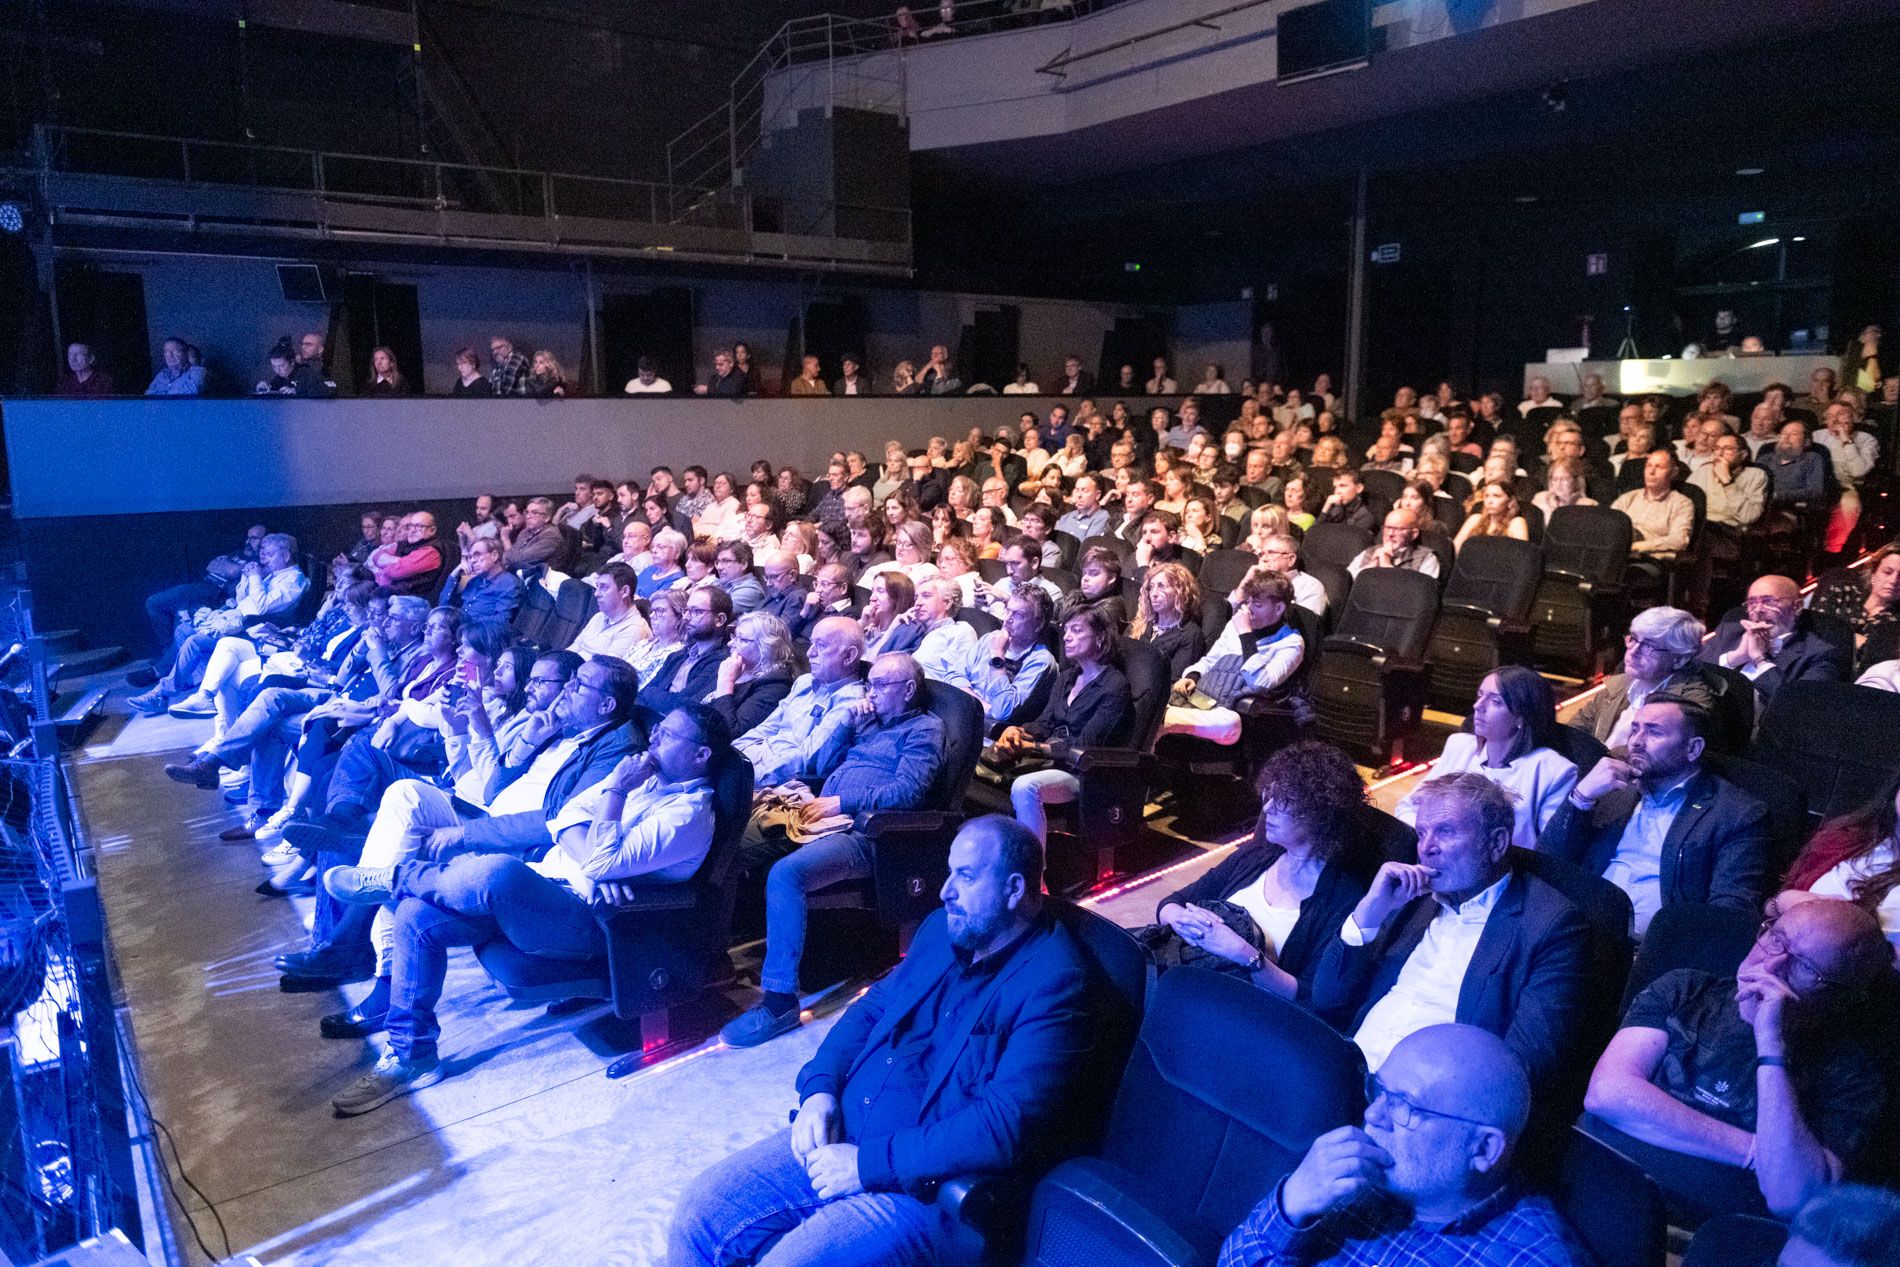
(757,672)
(1263,522)
(1169,617)
(904,379)
(547,378)
(1563,486)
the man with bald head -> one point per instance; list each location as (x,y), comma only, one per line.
(783,745)
(883,755)
(1772,641)
(784,589)
(1428,1179)
(1397,547)
(1750,1092)
(968,1059)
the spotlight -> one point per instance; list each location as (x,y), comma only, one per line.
(12,218)
(1764,242)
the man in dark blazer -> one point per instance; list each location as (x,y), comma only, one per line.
(689,674)
(1073,380)
(1774,642)
(1658,825)
(1461,936)
(963,1061)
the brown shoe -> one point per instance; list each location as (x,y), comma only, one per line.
(201,771)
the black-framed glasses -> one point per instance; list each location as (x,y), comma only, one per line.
(1405,1112)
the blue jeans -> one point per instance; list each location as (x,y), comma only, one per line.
(826,861)
(470,901)
(164,608)
(757,1206)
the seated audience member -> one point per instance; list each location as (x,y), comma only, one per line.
(1398,547)
(1085,517)
(757,674)
(1512,725)
(1271,908)
(830,595)
(508,369)
(1736,490)
(309,378)
(1661,827)
(1750,1093)
(82,376)
(414,564)
(851,380)
(809,381)
(1347,505)
(538,540)
(664,571)
(385,378)
(166,608)
(1035,525)
(1856,857)
(666,616)
(782,746)
(1257,653)
(1461,935)
(1772,642)
(616,629)
(1497,515)
(732,571)
(1428,1181)
(1138,498)
(1869,600)
(469,379)
(689,674)
(1090,707)
(1663,517)
(889,595)
(269,585)
(1659,654)
(931,632)
(1564,485)
(853,1179)
(1007,665)
(727,380)
(1281,553)
(784,596)
(547,379)
(1799,472)
(1158,542)
(647,381)
(1854,454)
(480,586)
(885,759)
(1099,586)
(651,817)
(1168,618)
(178,377)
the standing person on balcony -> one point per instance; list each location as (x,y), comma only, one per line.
(308,378)
(510,369)
(945,24)
(179,377)
(469,379)
(810,381)
(647,381)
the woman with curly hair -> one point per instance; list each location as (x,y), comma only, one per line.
(1169,617)
(1857,857)
(1269,911)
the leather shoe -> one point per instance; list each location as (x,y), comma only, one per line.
(368,1017)
(201,771)
(243,833)
(327,834)
(314,965)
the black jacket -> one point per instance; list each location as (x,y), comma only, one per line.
(658,696)
(1101,717)
(1716,851)
(752,702)
(1341,884)
(1805,657)
(1527,981)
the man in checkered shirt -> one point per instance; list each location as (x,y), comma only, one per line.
(1427,1182)
(511,369)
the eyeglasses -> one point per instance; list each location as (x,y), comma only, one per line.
(1777,943)
(1405,1112)
(1654,648)
(548,681)
(887,683)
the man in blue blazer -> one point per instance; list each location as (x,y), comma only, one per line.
(1773,642)
(961,1062)
(1659,826)
(1460,936)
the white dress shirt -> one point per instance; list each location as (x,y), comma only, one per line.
(663,831)
(531,788)
(1426,992)
(621,639)
(1637,867)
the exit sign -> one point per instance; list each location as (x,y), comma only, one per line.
(1387,253)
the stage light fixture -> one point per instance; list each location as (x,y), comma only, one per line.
(1749,171)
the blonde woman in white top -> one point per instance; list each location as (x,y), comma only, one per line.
(1510,720)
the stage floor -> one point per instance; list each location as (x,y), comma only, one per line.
(526,1154)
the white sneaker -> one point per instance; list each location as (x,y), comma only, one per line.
(279,855)
(272,828)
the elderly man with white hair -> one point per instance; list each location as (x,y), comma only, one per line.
(1659,654)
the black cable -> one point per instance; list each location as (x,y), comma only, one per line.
(166,1137)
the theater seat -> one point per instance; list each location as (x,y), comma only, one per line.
(1115,780)
(1711,939)
(1579,602)
(1483,618)
(1370,687)
(1736,1240)
(662,944)
(1201,1130)
(1841,767)
(1615,1209)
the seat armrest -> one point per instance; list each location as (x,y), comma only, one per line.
(1096,1194)
(1469,610)
(993,1205)
(1097,760)
(894,821)
(658,897)
(1346,642)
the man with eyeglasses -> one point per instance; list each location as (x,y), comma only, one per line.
(1427,1181)
(1659,654)
(1773,641)
(414,564)
(1748,1093)
(689,675)
(1659,825)
(783,745)
(884,758)
(784,593)
(650,817)
(1282,555)
(1460,935)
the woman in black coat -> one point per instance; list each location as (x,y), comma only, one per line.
(1269,911)
(1091,707)
(757,675)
